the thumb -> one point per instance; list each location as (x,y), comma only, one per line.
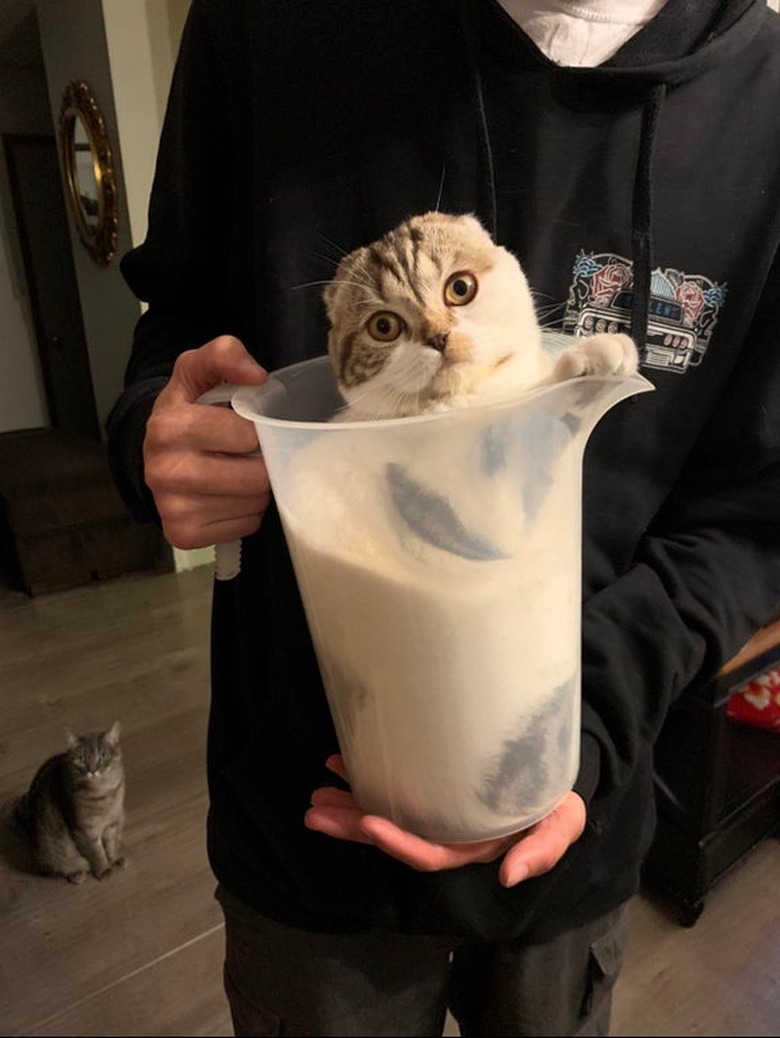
(224,359)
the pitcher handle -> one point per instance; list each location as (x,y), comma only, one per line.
(227,556)
(221,394)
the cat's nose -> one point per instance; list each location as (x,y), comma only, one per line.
(437,341)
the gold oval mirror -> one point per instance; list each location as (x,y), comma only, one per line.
(89,171)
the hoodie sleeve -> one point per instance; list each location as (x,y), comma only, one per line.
(706,574)
(180,270)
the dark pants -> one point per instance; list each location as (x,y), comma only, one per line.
(291,982)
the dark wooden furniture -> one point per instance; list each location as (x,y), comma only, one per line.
(717,784)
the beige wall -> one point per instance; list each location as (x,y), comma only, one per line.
(142,39)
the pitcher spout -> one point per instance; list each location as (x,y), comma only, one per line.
(581,403)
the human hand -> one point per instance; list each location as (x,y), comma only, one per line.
(531,852)
(207,486)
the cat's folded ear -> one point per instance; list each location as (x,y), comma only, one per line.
(329,297)
(348,272)
(113,733)
(476,224)
(70,738)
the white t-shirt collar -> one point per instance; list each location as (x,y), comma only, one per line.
(581,33)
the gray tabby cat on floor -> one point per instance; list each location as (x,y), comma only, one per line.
(435,316)
(74,810)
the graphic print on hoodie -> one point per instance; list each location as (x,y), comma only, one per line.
(682,308)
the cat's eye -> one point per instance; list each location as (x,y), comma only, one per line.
(460,288)
(385,326)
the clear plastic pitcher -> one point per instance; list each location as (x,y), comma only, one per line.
(438,560)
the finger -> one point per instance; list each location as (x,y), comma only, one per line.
(335,763)
(188,526)
(542,846)
(224,359)
(197,510)
(188,537)
(424,855)
(199,427)
(194,521)
(329,796)
(343,824)
(237,477)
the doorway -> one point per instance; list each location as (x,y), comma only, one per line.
(36,193)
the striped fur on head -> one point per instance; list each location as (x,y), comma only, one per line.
(430,316)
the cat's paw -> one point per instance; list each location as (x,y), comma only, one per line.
(603,354)
(76,877)
(103,873)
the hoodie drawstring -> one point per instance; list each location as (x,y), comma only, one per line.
(642,215)
(483,129)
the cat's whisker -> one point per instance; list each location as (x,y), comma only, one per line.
(548,309)
(330,260)
(327,281)
(553,324)
(342,252)
(553,304)
(394,401)
(369,300)
(364,280)
(356,399)
(310,284)
(441,188)
(388,401)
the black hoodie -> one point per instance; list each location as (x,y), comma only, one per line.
(643,193)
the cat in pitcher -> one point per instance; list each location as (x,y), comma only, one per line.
(73,812)
(435,316)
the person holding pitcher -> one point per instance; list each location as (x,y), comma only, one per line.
(627,152)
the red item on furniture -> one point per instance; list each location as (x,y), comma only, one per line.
(757,702)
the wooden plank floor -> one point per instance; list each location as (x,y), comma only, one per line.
(141,953)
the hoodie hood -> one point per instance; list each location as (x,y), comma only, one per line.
(685,37)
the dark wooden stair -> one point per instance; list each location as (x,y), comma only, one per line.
(62,522)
